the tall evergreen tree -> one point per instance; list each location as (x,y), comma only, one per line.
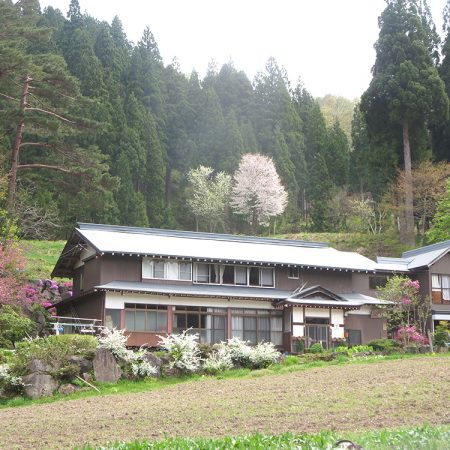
(405,87)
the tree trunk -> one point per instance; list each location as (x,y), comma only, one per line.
(12,186)
(409,205)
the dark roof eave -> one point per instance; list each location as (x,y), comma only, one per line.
(188,294)
(237,261)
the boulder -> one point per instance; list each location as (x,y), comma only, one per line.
(39,385)
(87,377)
(155,361)
(85,365)
(67,389)
(38,366)
(106,369)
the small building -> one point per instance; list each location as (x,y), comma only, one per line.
(430,265)
(150,282)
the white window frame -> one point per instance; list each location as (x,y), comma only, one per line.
(151,262)
(194,278)
(296,270)
(441,288)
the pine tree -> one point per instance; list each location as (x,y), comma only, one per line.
(405,88)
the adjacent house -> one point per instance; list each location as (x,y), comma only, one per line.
(151,282)
(430,265)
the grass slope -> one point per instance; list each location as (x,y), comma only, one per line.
(41,257)
(339,398)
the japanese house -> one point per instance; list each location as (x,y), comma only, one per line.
(151,282)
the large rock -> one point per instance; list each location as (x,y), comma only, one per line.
(38,366)
(84,365)
(155,361)
(106,369)
(39,385)
(67,389)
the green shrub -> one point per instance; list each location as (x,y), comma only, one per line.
(290,360)
(382,345)
(441,335)
(316,348)
(341,349)
(299,346)
(14,326)
(359,349)
(54,350)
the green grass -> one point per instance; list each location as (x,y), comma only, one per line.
(41,257)
(369,245)
(129,387)
(413,438)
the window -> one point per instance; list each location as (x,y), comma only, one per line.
(353,337)
(376,281)
(163,269)
(440,288)
(257,325)
(209,323)
(185,271)
(294,273)
(145,317)
(112,318)
(234,275)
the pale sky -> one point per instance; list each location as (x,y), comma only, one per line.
(327,43)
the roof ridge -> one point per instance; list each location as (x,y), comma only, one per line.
(428,248)
(201,235)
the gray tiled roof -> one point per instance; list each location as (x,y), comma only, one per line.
(223,248)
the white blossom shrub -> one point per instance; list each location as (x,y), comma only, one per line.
(263,355)
(9,382)
(183,350)
(218,361)
(135,363)
(142,369)
(238,350)
(115,341)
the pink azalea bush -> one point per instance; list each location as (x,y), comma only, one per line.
(408,334)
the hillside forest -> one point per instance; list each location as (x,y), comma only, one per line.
(95,128)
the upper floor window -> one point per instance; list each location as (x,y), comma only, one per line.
(294,273)
(234,275)
(164,269)
(440,287)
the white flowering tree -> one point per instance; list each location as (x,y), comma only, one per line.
(258,193)
(210,195)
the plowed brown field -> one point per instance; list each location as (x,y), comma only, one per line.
(347,397)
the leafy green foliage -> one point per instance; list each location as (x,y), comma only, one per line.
(54,350)
(440,229)
(384,345)
(14,326)
(421,438)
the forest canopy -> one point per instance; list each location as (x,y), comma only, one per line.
(95,128)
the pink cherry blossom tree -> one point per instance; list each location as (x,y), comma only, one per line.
(258,193)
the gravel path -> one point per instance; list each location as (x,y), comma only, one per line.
(347,397)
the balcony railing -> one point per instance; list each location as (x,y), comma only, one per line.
(75,325)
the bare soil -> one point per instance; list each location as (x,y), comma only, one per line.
(353,397)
